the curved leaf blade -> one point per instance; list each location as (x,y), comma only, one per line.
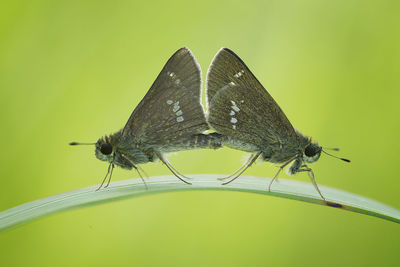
(134,187)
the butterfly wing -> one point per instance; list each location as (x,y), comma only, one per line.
(172,108)
(240,107)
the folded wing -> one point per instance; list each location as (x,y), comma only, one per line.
(172,108)
(240,107)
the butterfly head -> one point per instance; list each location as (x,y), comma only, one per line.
(312,152)
(108,148)
(105,151)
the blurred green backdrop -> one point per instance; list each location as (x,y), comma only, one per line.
(75,70)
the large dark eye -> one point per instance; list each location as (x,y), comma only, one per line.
(106,149)
(310,151)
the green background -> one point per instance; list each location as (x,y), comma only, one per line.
(75,70)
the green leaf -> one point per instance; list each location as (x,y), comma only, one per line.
(135,187)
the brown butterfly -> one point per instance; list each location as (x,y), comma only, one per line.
(249,119)
(169,118)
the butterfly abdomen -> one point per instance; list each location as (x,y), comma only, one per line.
(198,141)
(238,144)
(212,140)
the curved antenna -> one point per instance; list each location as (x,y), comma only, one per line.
(332,148)
(347,160)
(78,144)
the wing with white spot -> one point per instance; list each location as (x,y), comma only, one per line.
(240,107)
(172,108)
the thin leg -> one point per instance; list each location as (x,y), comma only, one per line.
(250,162)
(276,175)
(138,169)
(238,170)
(311,175)
(109,177)
(108,171)
(169,166)
(175,170)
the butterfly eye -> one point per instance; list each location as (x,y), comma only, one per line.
(106,149)
(310,151)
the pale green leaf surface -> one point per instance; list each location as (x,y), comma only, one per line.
(135,187)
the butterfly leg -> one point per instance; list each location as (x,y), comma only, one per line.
(138,169)
(276,175)
(310,172)
(109,172)
(239,172)
(109,177)
(184,176)
(175,170)
(171,168)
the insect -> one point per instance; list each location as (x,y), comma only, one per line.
(169,118)
(241,110)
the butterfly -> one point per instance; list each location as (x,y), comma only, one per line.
(169,118)
(245,114)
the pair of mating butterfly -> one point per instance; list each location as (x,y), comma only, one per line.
(241,112)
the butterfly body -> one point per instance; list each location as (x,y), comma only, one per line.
(127,154)
(272,152)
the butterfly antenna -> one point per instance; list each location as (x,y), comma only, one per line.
(347,160)
(78,144)
(332,148)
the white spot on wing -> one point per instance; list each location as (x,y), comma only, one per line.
(240,73)
(179,112)
(232,113)
(176,107)
(169,102)
(234,127)
(234,106)
(179,119)
(227,86)
(234,120)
